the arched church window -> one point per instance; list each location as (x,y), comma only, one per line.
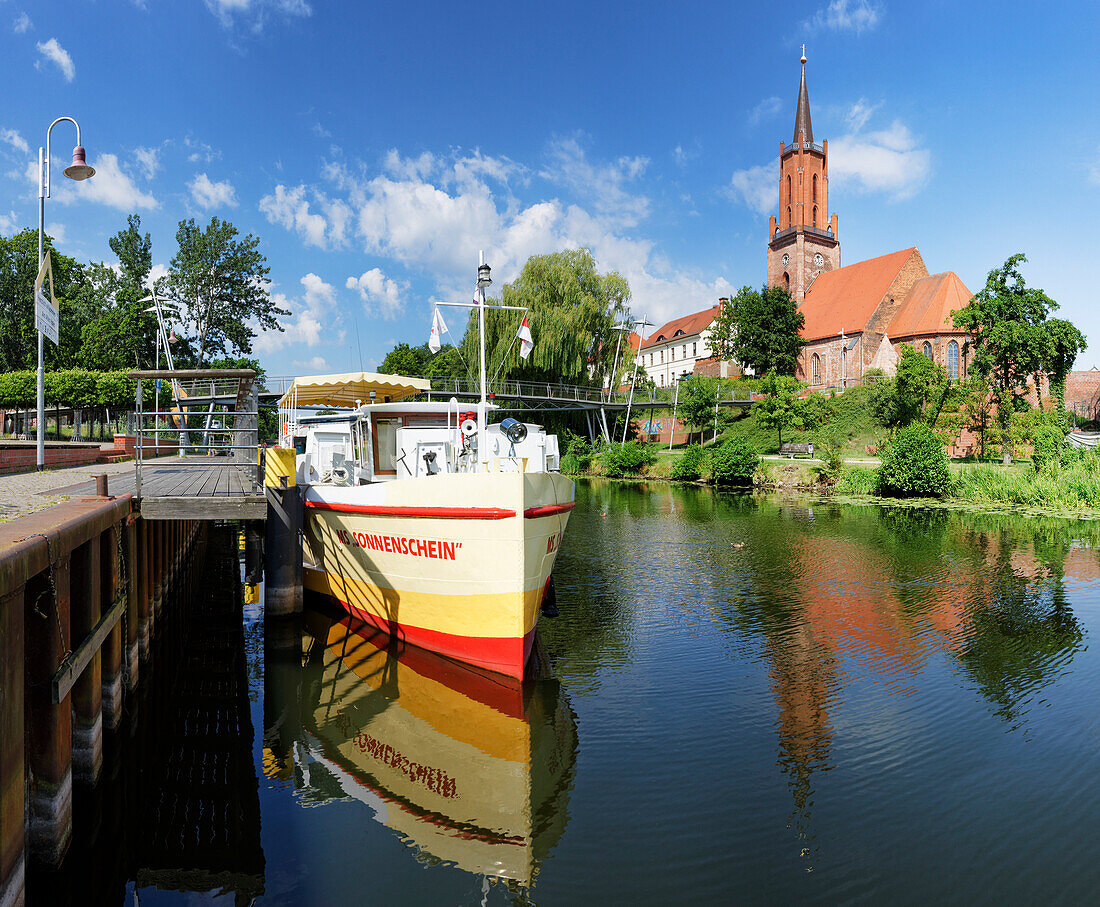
(815,189)
(789,197)
(816,366)
(927,350)
(786,281)
(953,361)
(815,216)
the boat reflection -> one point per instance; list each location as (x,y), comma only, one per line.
(469,767)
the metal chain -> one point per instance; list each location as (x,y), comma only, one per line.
(53,590)
(123,591)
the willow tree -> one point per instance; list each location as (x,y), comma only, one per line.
(573,313)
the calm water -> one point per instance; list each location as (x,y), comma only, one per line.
(753,700)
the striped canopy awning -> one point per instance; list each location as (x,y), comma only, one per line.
(347,390)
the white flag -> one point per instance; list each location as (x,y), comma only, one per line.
(438,327)
(526,344)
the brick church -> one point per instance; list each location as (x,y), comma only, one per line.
(858,316)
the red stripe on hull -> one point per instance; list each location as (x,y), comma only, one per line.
(532,513)
(505,655)
(441,513)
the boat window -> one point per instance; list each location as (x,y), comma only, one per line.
(385,446)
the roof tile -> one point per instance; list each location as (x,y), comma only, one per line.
(694,323)
(845,299)
(929,306)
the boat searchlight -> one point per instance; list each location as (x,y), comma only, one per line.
(514,430)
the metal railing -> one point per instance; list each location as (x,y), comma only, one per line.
(229,439)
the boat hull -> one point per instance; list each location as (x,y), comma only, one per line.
(457,564)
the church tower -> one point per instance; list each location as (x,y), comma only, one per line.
(803,241)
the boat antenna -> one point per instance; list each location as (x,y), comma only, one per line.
(358,345)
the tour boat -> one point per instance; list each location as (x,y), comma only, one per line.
(464,765)
(422,518)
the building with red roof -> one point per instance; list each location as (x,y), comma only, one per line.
(672,350)
(857,317)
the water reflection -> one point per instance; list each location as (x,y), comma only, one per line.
(469,768)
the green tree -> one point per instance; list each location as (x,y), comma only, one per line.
(915,464)
(135,253)
(1064,341)
(572,311)
(780,407)
(760,329)
(696,403)
(224,282)
(1008,321)
(405,360)
(18,270)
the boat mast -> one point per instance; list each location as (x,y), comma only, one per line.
(483,281)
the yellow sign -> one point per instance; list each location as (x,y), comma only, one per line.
(47,313)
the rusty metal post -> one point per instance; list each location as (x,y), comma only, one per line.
(111,575)
(48,725)
(13,791)
(101,485)
(133,582)
(86,604)
(145,589)
(157,528)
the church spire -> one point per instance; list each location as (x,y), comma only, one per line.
(802,115)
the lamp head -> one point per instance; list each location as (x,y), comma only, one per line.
(79,169)
(483,278)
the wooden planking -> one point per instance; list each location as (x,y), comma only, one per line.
(194,489)
(252,507)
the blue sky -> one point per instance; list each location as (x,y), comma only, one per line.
(375,148)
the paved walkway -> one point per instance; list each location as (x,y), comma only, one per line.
(28,492)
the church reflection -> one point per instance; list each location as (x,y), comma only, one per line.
(467,767)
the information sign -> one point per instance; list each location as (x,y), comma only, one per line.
(47,317)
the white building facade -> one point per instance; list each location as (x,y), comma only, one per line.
(672,350)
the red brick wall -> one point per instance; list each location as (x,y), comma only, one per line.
(24,459)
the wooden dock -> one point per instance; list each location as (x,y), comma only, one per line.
(195,488)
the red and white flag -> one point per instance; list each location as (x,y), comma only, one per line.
(526,344)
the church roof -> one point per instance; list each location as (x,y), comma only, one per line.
(929,306)
(845,299)
(685,325)
(802,114)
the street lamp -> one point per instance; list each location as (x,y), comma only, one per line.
(77,170)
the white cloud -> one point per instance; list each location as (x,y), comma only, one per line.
(312,318)
(255,12)
(209,194)
(110,186)
(57,231)
(317,292)
(156,273)
(767,109)
(200,151)
(22,24)
(758,187)
(316,364)
(886,160)
(376,289)
(13,138)
(846,15)
(432,213)
(603,184)
(57,54)
(7,223)
(147,160)
(290,208)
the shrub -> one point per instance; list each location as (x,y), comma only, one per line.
(690,465)
(734,462)
(915,465)
(578,456)
(1048,442)
(630,458)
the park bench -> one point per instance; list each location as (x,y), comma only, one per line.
(794,450)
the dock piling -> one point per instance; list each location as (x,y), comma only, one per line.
(12,802)
(283,542)
(87,695)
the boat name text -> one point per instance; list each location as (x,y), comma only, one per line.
(435,548)
(435,779)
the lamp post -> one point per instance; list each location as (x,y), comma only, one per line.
(159,308)
(77,170)
(641,326)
